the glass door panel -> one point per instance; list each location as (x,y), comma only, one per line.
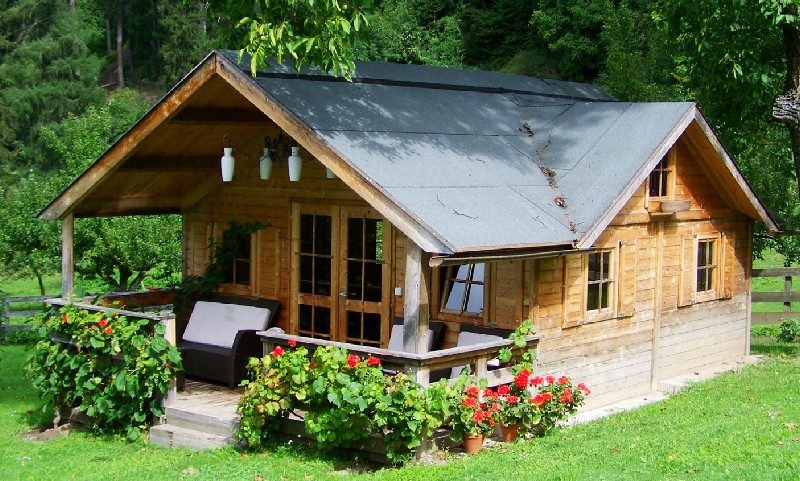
(315,267)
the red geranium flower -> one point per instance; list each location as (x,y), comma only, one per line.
(550,379)
(564,380)
(547,397)
(495,408)
(469,402)
(353,360)
(64,319)
(566,396)
(277,351)
(521,381)
(582,387)
(525,371)
(472,391)
(108,330)
(537,381)
(292,343)
(478,417)
(503,390)
(373,361)
(512,399)
(102,323)
(491,422)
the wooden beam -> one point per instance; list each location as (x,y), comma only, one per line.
(220,116)
(412,227)
(67,264)
(127,144)
(416,302)
(200,191)
(169,164)
(123,205)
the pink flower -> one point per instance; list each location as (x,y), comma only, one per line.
(537,381)
(582,387)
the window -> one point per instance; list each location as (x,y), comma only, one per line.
(660,179)
(239,270)
(464,286)
(599,281)
(705,265)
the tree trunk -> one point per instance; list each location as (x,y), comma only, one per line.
(108,35)
(41,284)
(787,106)
(120,75)
(71,9)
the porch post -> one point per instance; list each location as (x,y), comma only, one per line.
(416,304)
(67,265)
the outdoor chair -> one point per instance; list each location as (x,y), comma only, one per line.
(470,335)
(435,335)
(220,337)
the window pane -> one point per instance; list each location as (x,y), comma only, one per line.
(701,280)
(372,327)
(604,295)
(322,321)
(322,235)
(664,179)
(605,271)
(477,272)
(306,269)
(243,272)
(322,276)
(475,299)
(594,267)
(455,297)
(701,254)
(353,325)
(304,322)
(710,253)
(355,238)
(462,273)
(307,233)
(655,183)
(354,279)
(593,297)
(374,239)
(243,245)
(373,278)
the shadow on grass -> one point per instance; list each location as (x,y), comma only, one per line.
(775,348)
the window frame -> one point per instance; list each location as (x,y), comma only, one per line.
(439,282)
(714,267)
(601,313)
(667,169)
(234,288)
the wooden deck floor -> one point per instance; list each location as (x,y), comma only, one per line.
(207,399)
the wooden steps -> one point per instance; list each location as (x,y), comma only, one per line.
(202,416)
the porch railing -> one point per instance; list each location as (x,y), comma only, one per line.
(420,366)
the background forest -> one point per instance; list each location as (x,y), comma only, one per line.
(75,74)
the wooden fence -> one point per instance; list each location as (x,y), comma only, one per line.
(787,296)
(6,325)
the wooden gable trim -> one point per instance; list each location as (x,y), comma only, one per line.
(413,228)
(691,115)
(125,146)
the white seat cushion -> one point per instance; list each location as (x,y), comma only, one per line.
(216,323)
(466,338)
(396,338)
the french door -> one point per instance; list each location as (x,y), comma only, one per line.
(339,274)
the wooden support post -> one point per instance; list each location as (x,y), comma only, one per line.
(67,264)
(416,310)
(787,288)
(171,336)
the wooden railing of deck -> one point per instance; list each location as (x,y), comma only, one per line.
(787,296)
(419,365)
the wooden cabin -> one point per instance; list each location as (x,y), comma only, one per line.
(622,229)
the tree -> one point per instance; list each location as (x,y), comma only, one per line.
(185,37)
(305,32)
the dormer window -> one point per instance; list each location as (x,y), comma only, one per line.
(660,179)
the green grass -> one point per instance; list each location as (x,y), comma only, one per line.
(738,426)
(771,284)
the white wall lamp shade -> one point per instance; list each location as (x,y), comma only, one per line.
(329,173)
(295,164)
(265,165)
(226,163)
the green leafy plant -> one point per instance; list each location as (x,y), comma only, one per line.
(526,328)
(114,369)
(790,330)
(515,403)
(474,414)
(556,399)
(346,399)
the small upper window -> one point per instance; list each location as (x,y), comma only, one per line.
(464,288)
(238,272)
(705,265)
(599,281)
(660,179)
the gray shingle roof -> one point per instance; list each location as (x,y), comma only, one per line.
(449,146)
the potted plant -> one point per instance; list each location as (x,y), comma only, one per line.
(516,413)
(473,418)
(556,399)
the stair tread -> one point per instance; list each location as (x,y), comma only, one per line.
(170,435)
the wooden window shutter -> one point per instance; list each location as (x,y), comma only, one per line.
(688,281)
(574,289)
(626,278)
(727,249)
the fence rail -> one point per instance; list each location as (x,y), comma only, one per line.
(6,326)
(787,296)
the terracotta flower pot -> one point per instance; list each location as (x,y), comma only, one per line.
(473,444)
(510,433)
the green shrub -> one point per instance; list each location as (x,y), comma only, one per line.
(790,330)
(20,337)
(114,369)
(765,330)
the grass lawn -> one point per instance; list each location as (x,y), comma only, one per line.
(771,284)
(738,426)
